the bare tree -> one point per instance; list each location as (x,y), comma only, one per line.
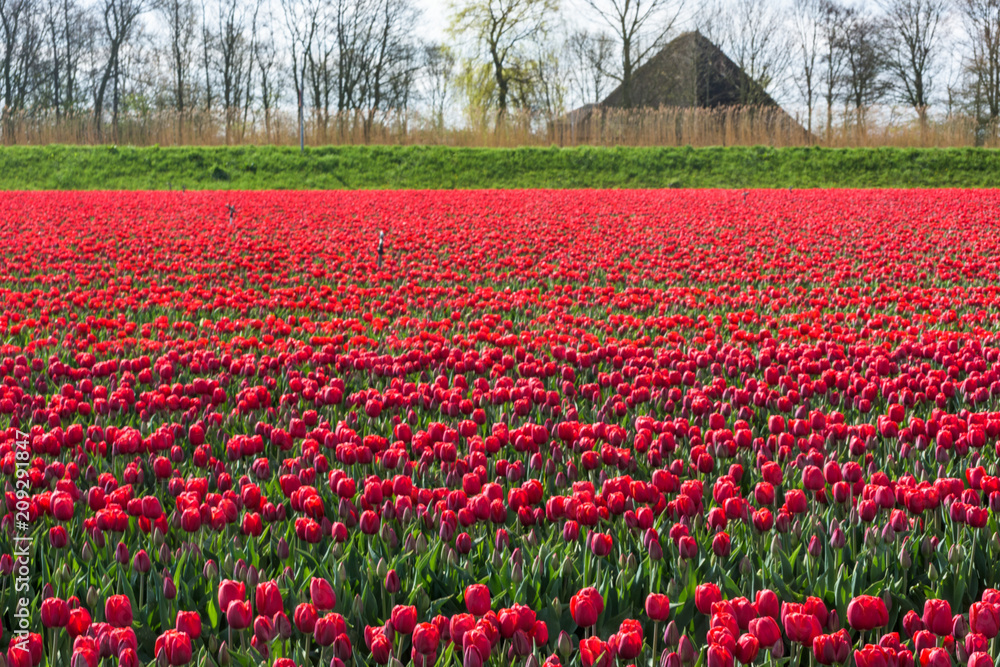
(806,18)
(181,23)
(832,19)
(502,32)
(265,55)
(439,69)
(750,32)
(235,62)
(589,57)
(20,40)
(641,27)
(982,25)
(863,42)
(119,21)
(914,28)
(69,36)
(302,22)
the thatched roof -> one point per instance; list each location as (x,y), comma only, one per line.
(690,71)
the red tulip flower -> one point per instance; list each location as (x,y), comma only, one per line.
(867,612)
(79,622)
(586,606)
(426,638)
(595,653)
(403,618)
(937,617)
(55,613)
(118,611)
(477,599)
(188,622)
(657,607)
(322,595)
(230,590)
(175,645)
(705,595)
(238,614)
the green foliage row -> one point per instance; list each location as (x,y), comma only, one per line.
(440,167)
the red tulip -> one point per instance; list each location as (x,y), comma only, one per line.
(269,600)
(188,622)
(404,619)
(801,628)
(78,623)
(238,615)
(586,606)
(747,648)
(118,611)
(657,607)
(55,613)
(867,612)
(176,647)
(937,617)
(477,599)
(230,590)
(322,595)
(984,618)
(426,638)
(705,595)
(595,653)
(305,617)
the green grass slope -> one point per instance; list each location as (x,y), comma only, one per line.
(438,167)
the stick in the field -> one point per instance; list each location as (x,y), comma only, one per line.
(381,247)
(232,212)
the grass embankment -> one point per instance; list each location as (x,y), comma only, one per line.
(439,167)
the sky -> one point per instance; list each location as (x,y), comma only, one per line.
(434,21)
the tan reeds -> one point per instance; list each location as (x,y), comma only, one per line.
(729,126)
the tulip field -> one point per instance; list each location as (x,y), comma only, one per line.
(581,428)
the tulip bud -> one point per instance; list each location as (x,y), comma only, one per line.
(888,534)
(210,571)
(92,598)
(837,538)
(671,636)
(516,573)
(815,549)
(359,606)
(672,588)
(932,572)
(421,544)
(86,553)
(161,660)
(778,650)
(776,550)
(392,583)
(686,650)
(532,661)
(169,590)
(223,655)
(926,547)
(564,645)
(905,560)
(670,660)
(158,538)
(164,554)
(282,548)
(959,628)
(833,621)
(381,569)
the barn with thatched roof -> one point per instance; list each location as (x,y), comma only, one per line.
(692,73)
